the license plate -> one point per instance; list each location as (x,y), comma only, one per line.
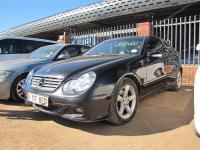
(38,99)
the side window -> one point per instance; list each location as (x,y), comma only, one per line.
(168,48)
(7,47)
(155,45)
(72,51)
(84,49)
(30,46)
(38,44)
(18,46)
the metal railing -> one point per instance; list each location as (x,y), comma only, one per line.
(95,36)
(183,34)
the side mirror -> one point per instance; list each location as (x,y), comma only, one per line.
(198,47)
(155,55)
(63,56)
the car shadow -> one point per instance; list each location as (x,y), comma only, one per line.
(10,103)
(157,113)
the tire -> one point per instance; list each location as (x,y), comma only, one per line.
(178,83)
(121,100)
(196,132)
(17,84)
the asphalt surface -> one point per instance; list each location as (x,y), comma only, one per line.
(163,121)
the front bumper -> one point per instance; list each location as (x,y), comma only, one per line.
(197,101)
(5,86)
(82,109)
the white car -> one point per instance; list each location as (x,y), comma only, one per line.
(197,99)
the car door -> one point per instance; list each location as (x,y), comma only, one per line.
(155,61)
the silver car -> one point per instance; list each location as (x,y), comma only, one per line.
(14,47)
(14,72)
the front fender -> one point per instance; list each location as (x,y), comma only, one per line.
(106,83)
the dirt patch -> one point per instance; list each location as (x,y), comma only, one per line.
(163,121)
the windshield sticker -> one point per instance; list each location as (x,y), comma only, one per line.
(123,44)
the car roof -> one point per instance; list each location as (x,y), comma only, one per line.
(26,38)
(145,37)
(69,44)
(129,37)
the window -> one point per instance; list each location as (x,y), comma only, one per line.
(29,46)
(18,46)
(121,46)
(72,51)
(7,47)
(45,52)
(168,48)
(84,49)
(154,45)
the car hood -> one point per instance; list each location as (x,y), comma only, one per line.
(65,68)
(18,64)
(6,57)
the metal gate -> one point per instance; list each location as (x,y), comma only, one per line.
(183,34)
(97,35)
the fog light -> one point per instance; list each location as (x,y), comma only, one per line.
(80,110)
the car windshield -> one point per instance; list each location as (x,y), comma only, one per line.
(122,46)
(46,52)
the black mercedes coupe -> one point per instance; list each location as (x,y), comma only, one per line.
(106,82)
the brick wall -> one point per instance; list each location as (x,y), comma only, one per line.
(63,38)
(144,28)
(189,75)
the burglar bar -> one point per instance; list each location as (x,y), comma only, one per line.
(97,35)
(183,34)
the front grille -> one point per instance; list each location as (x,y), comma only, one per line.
(45,83)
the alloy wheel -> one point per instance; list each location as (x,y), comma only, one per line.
(126,101)
(19,89)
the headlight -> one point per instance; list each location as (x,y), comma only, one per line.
(83,83)
(29,77)
(4,74)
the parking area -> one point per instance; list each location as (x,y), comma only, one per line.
(163,121)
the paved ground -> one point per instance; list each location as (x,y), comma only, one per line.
(164,121)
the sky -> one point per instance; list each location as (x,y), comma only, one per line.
(17,12)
